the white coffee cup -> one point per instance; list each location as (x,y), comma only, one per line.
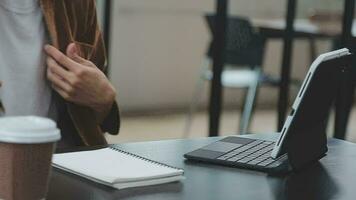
(26,148)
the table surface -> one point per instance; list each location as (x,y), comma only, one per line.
(301,25)
(333,178)
(303,28)
(304,25)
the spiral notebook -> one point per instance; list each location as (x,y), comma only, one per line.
(116,168)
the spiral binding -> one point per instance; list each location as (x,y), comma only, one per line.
(143,158)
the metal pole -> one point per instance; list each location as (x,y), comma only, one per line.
(107,31)
(286,63)
(218,63)
(344,99)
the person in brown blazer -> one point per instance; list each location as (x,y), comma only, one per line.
(75,62)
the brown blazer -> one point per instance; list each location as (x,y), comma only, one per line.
(70,21)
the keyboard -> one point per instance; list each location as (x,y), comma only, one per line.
(256,153)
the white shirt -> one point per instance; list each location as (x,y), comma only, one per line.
(25,89)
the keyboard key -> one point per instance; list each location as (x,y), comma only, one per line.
(256,152)
(253,155)
(282,159)
(252,144)
(242,149)
(261,151)
(266,162)
(265,155)
(261,159)
(244,160)
(256,148)
(275,164)
(268,142)
(235,158)
(254,162)
(241,156)
(223,157)
(239,150)
(231,154)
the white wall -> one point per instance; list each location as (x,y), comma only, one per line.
(158,45)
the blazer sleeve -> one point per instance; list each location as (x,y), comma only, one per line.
(111,124)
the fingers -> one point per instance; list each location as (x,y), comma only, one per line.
(69,73)
(54,67)
(73,53)
(62,92)
(83,61)
(72,50)
(58,82)
(60,58)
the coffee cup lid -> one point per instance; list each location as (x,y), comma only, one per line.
(28,130)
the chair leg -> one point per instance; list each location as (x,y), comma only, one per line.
(197,94)
(248,107)
(193,106)
(242,110)
(312,49)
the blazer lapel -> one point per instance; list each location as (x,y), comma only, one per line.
(47,7)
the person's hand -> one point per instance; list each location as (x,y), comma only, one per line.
(79,81)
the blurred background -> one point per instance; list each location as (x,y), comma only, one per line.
(158,51)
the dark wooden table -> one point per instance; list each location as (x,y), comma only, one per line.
(333,178)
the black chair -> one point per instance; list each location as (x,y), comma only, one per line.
(244,52)
(345,97)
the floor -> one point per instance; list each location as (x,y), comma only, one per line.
(172,126)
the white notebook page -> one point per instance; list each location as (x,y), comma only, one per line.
(112,166)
